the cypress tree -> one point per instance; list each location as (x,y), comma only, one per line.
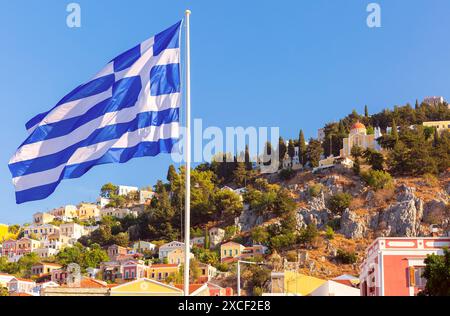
(302,147)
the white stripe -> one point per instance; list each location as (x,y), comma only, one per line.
(54,145)
(75,108)
(89,153)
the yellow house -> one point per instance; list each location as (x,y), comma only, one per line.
(42,218)
(439,125)
(88,211)
(300,284)
(231,250)
(160,272)
(145,287)
(176,256)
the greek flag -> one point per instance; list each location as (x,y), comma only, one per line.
(129,109)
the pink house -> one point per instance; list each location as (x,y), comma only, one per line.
(59,276)
(394,266)
(9,248)
(134,269)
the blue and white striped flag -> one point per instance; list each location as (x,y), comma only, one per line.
(129,109)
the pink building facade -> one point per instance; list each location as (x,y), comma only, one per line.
(394,266)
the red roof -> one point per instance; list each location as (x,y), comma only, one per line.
(345,282)
(358,125)
(192,287)
(24,280)
(88,283)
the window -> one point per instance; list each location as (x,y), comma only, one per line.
(415,277)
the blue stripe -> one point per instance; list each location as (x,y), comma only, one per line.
(125,94)
(112,156)
(167,39)
(165,79)
(127,59)
(91,88)
(106,133)
(35,120)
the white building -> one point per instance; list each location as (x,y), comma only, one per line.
(125,190)
(118,212)
(166,248)
(433,100)
(102,202)
(19,285)
(72,230)
(145,196)
(45,253)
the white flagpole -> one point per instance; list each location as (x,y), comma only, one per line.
(187,213)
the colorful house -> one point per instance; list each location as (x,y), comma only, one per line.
(176,256)
(59,276)
(4,279)
(41,218)
(216,290)
(207,272)
(19,285)
(166,248)
(87,211)
(44,268)
(9,248)
(26,245)
(231,249)
(145,287)
(394,266)
(134,269)
(160,272)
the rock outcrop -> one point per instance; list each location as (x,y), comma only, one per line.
(248,220)
(352,226)
(402,218)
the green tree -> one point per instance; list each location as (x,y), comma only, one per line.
(378,179)
(291,148)
(339,202)
(302,147)
(228,204)
(282,149)
(366,111)
(108,190)
(374,158)
(259,235)
(171,173)
(315,151)
(437,273)
(121,239)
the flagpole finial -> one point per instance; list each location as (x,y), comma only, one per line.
(188,12)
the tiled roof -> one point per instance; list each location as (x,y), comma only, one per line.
(20,294)
(89,283)
(192,287)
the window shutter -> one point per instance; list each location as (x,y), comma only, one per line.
(412,277)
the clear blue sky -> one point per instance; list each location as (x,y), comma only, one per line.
(294,64)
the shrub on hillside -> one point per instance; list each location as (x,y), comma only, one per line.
(286,174)
(329,233)
(346,257)
(378,179)
(315,189)
(339,202)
